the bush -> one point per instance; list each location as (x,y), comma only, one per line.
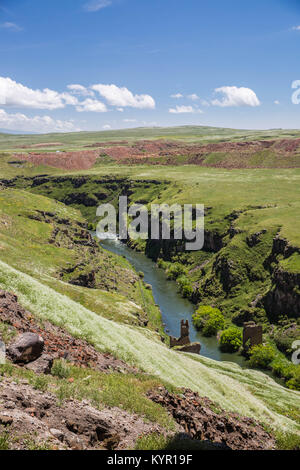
(284,338)
(175,270)
(185,287)
(282,369)
(294,383)
(261,356)
(209,320)
(61,369)
(231,340)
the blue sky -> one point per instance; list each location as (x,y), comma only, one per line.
(148,62)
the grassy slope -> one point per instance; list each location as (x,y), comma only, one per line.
(185,133)
(248,392)
(24,244)
(227,191)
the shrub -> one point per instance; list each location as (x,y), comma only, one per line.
(261,356)
(209,320)
(284,338)
(61,369)
(175,270)
(185,287)
(282,369)
(294,383)
(231,340)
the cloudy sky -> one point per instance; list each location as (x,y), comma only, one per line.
(69,65)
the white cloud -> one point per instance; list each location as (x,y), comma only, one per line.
(15,94)
(96,5)
(129,120)
(184,109)
(94,106)
(193,97)
(106,127)
(11,26)
(234,96)
(122,97)
(21,122)
(80,90)
(276,102)
(177,96)
(296,28)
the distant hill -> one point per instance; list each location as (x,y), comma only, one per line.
(8,132)
(188,134)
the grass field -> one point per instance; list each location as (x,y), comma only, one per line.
(240,204)
(251,393)
(185,133)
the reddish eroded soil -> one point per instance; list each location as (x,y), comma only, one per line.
(32,415)
(201,420)
(107,144)
(58,343)
(232,154)
(237,153)
(46,144)
(65,160)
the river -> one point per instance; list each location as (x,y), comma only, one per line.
(173,307)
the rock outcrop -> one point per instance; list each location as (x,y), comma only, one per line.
(202,421)
(26,348)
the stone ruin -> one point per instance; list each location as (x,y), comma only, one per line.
(184,341)
(252,334)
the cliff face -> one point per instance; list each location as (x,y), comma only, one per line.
(284,296)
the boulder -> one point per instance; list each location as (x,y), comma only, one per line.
(26,348)
(194,348)
(42,365)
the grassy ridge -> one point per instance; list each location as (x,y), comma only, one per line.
(204,134)
(24,244)
(247,392)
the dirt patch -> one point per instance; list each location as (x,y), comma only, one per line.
(65,160)
(58,343)
(107,144)
(35,418)
(202,420)
(223,154)
(46,144)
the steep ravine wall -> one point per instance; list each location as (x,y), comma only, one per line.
(223,273)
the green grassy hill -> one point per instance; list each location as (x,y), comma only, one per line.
(185,133)
(246,211)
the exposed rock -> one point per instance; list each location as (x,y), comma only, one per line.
(43,365)
(252,335)
(254,239)
(58,343)
(71,425)
(26,348)
(81,160)
(58,434)
(201,421)
(85,280)
(194,348)
(284,296)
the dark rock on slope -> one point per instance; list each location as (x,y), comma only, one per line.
(201,420)
(58,343)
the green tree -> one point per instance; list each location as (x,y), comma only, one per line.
(261,356)
(231,340)
(208,319)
